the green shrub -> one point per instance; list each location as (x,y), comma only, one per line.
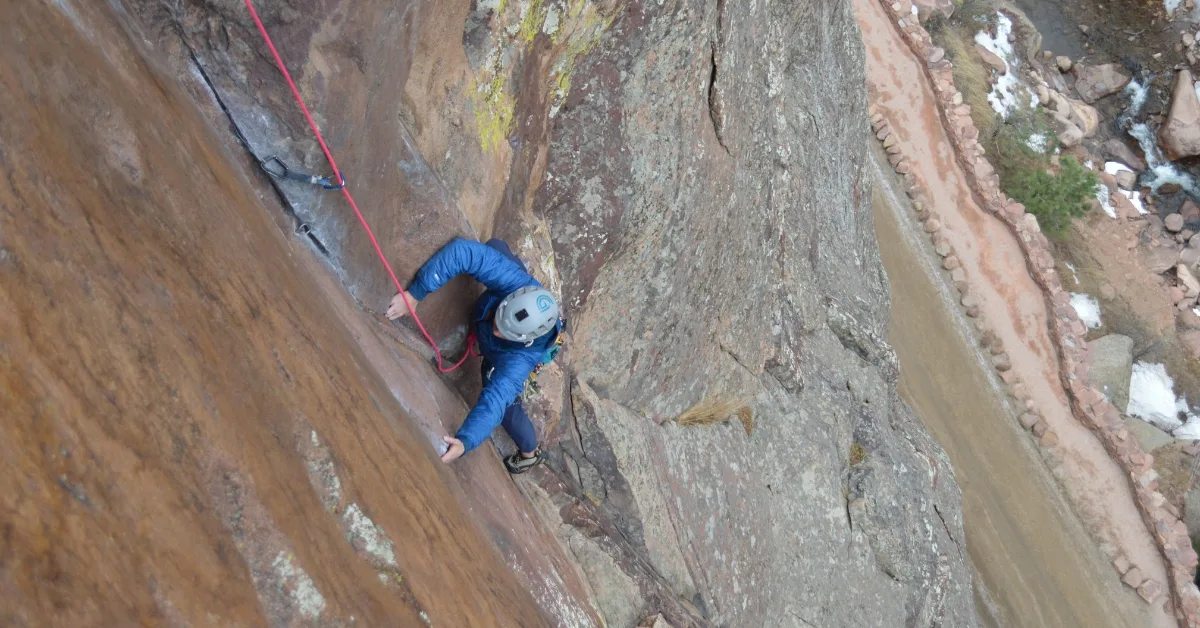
(1009,144)
(1055,199)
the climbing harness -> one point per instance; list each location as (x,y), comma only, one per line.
(341,186)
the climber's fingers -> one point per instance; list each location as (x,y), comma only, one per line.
(455,449)
(398,309)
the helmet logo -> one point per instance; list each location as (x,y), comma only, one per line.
(544,303)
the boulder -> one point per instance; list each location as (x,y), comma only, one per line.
(929,8)
(1043,95)
(1148,436)
(1109,182)
(1118,151)
(1127,179)
(1173,222)
(1191,340)
(1070,135)
(1126,210)
(1094,82)
(1190,211)
(991,59)
(1188,281)
(1064,63)
(1112,366)
(1180,133)
(1160,260)
(1084,116)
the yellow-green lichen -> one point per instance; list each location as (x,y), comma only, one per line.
(583,38)
(495,110)
(531,22)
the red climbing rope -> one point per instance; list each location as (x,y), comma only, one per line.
(350,199)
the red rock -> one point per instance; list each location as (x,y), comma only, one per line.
(1050,439)
(950,262)
(1150,591)
(1133,577)
(1002,362)
(1121,564)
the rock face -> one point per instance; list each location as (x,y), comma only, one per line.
(1094,82)
(654,162)
(1180,134)
(1112,366)
(691,180)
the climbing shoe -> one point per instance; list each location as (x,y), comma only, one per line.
(517,463)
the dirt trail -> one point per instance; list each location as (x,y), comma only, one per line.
(1012,302)
(1032,558)
(190,435)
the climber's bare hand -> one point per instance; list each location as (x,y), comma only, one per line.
(398,309)
(455,449)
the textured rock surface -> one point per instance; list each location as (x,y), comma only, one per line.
(719,223)
(1094,82)
(1180,134)
(190,434)
(1150,437)
(1112,366)
(688,173)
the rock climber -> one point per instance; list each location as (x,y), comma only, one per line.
(516,324)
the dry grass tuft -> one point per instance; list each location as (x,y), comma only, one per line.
(971,75)
(715,409)
(857,454)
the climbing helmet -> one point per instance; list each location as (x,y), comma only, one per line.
(526,314)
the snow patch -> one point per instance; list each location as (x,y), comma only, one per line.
(1190,430)
(1087,307)
(1074,276)
(1103,196)
(1039,142)
(1152,396)
(1004,94)
(1114,167)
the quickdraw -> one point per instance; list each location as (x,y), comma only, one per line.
(276,167)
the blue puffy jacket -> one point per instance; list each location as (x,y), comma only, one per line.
(512,361)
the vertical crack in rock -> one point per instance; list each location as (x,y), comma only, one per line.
(716,104)
(302,228)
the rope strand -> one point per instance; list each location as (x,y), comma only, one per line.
(350,199)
